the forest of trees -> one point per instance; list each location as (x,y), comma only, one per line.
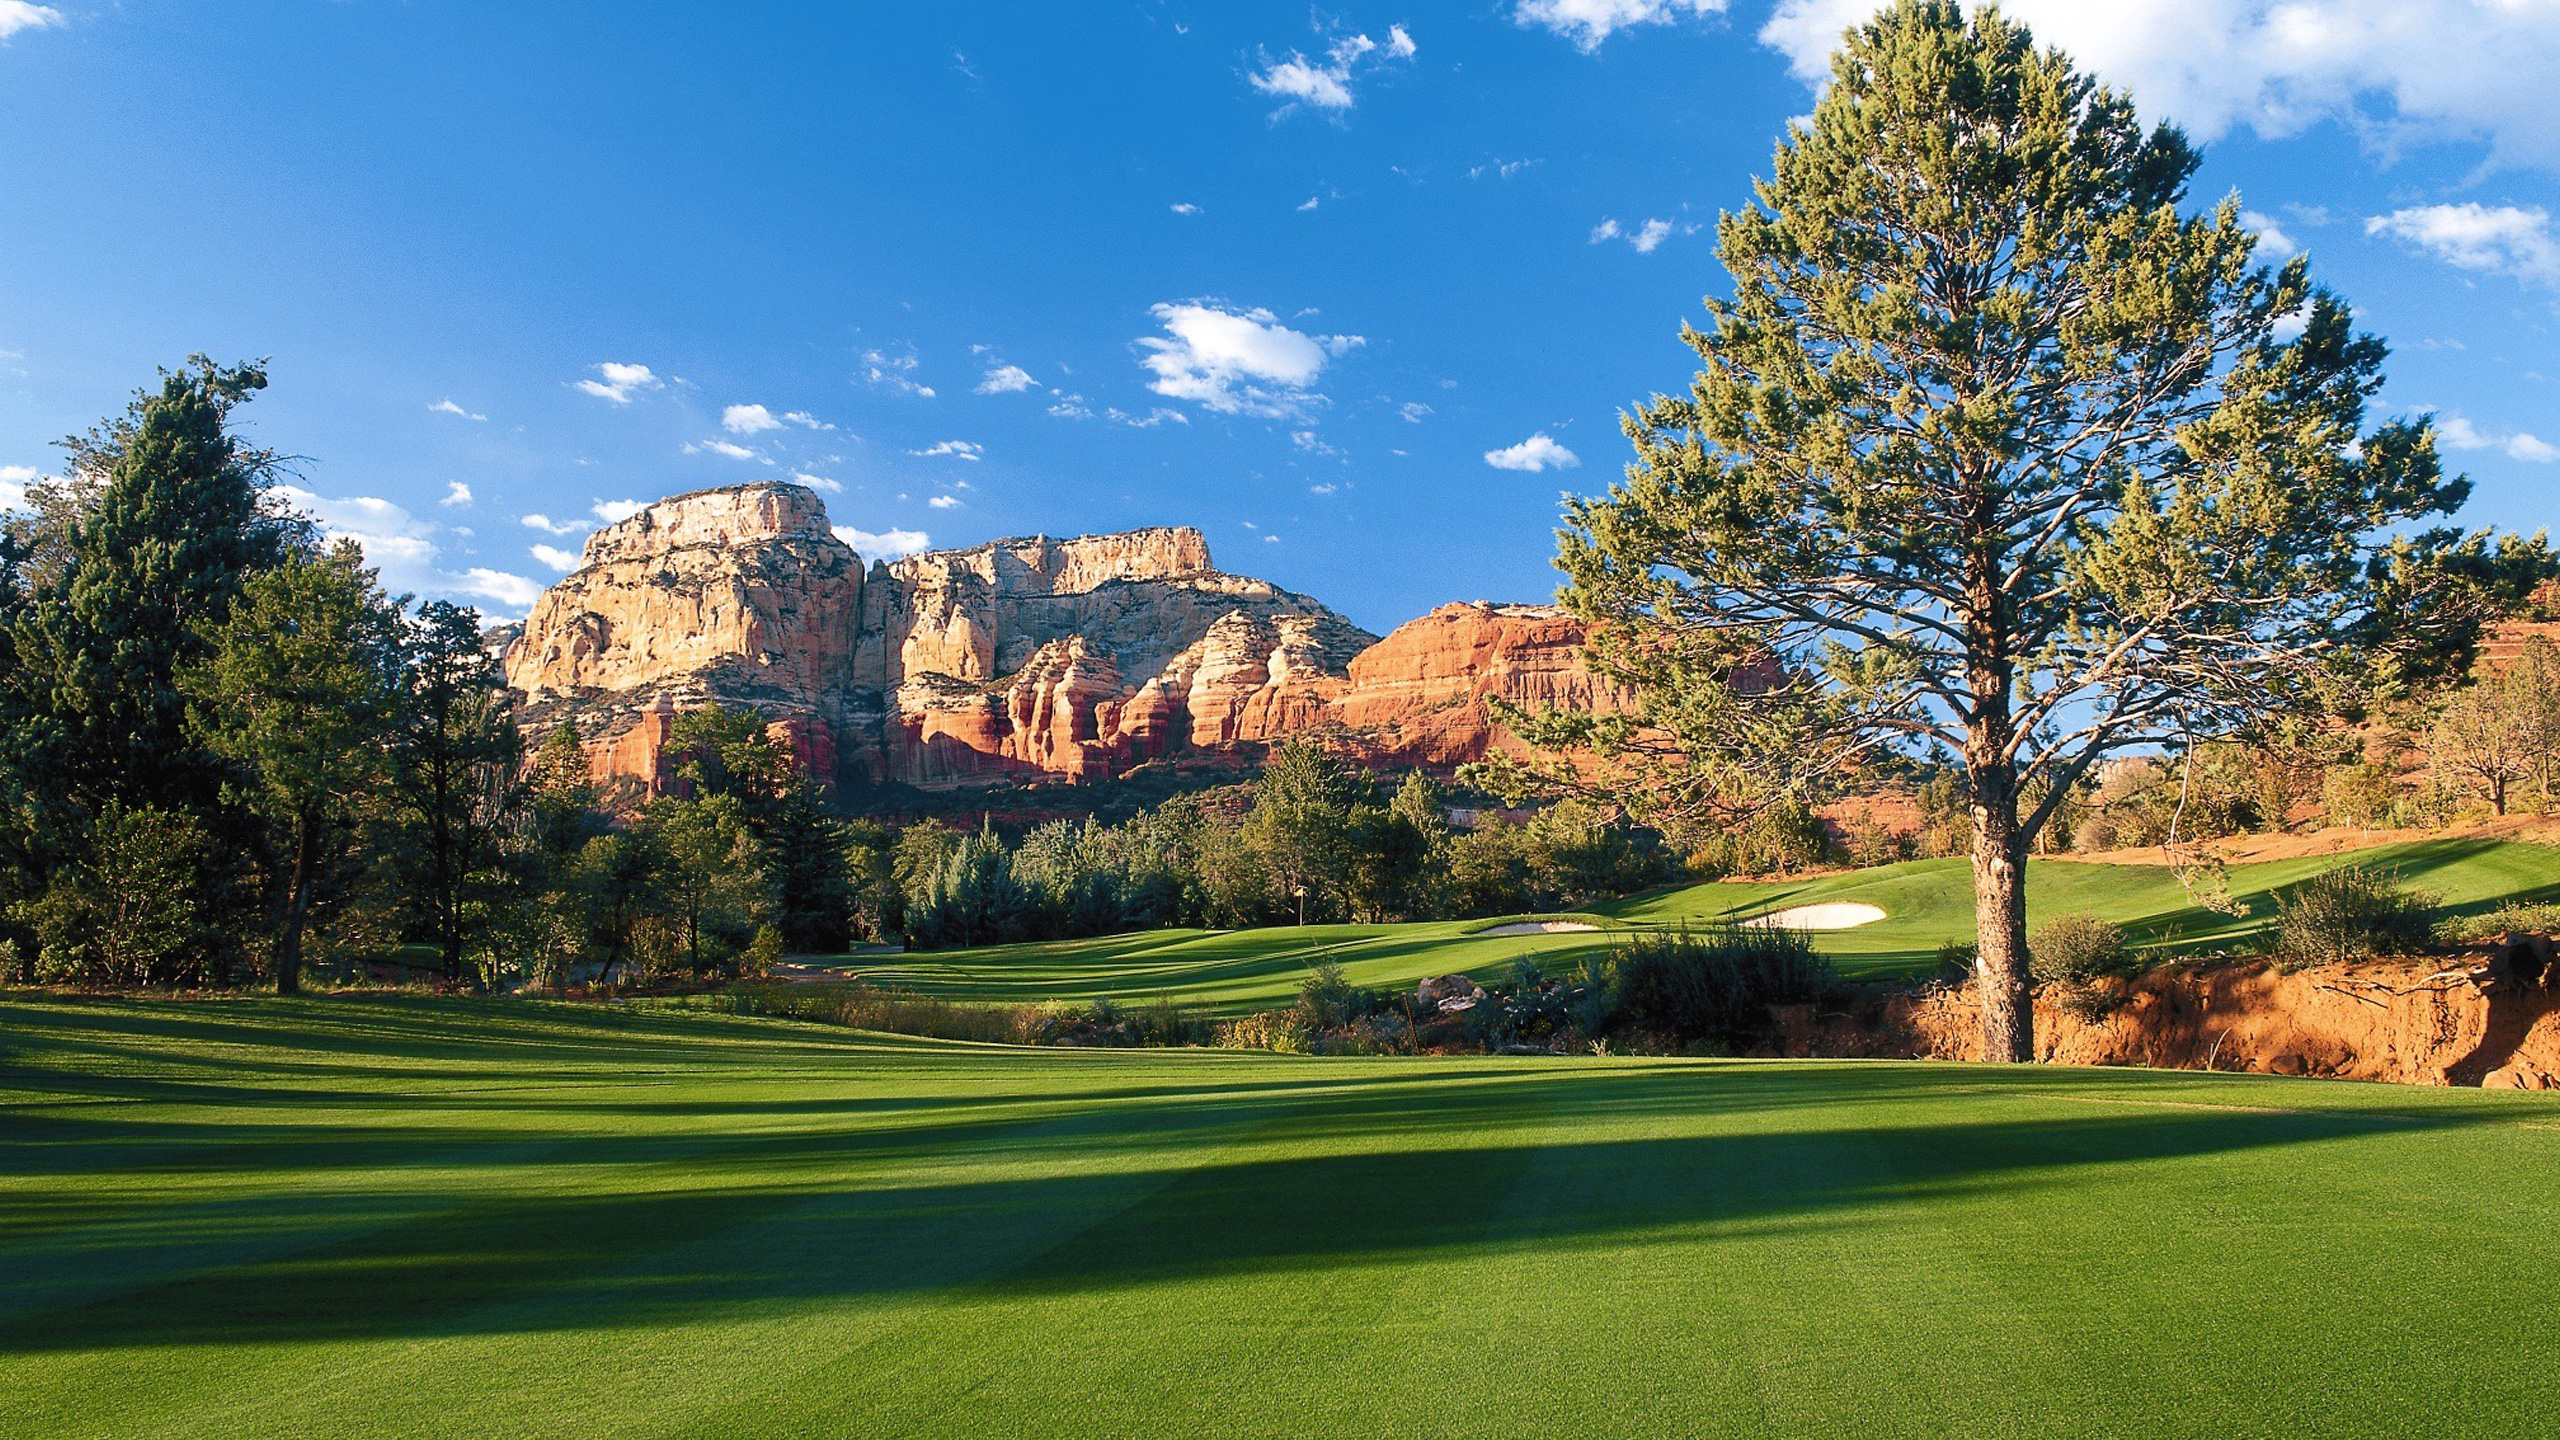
(228,757)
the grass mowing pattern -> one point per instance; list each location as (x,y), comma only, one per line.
(419,1218)
(1927,904)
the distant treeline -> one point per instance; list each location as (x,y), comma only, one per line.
(227,756)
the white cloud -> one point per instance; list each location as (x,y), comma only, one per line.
(456,493)
(2456,430)
(447,407)
(806,420)
(1309,204)
(1499,169)
(1534,454)
(1326,84)
(17,15)
(1413,411)
(1185,207)
(944,502)
(894,372)
(818,482)
(1588,22)
(14,480)
(405,548)
(1270,539)
(748,420)
(2272,239)
(549,526)
(724,447)
(957,449)
(2501,240)
(1326,488)
(1155,416)
(1238,362)
(1646,238)
(513,594)
(558,559)
(2397,71)
(621,382)
(613,511)
(885,544)
(1005,380)
(1312,443)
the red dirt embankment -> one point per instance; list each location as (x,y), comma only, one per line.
(2354,1022)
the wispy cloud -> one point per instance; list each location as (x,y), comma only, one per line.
(456,493)
(618,382)
(1005,380)
(549,526)
(895,371)
(944,502)
(955,449)
(447,407)
(818,482)
(614,511)
(1242,362)
(1646,238)
(2457,430)
(748,420)
(2272,239)
(1185,207)
(14,481)
(2498,240)
(17,15)
(724,447)
(1538,452)
(885,544)
(558,559)
(1326,83)
(1588,22)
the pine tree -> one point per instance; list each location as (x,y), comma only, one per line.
(1994,447)
(299,694)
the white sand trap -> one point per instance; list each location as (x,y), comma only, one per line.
(1544,927)
(1831,915)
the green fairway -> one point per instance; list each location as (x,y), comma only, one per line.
(1927,904)
(419,1218)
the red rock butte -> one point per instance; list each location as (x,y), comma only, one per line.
(1018,660)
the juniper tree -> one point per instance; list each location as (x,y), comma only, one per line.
(1996,446)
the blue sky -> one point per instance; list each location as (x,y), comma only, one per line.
(1357,290)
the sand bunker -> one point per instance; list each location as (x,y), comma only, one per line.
(1831,915)
(1541,927)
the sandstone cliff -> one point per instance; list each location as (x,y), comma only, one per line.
(1081,658)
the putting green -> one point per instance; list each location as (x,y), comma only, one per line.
(1927,904)
(413,1218)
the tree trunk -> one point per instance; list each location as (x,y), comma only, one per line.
(297,901)
(2000,913)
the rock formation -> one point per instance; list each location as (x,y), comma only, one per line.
(1021,659)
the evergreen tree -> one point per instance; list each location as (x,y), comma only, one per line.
(299,693)
(1994,446)
(456,750)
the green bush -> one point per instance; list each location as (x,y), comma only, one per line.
(1711,986)
(2350,913)
(2076,949)
(2510,919)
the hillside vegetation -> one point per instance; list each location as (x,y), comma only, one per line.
(1928,904)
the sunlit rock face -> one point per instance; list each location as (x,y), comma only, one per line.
(1024,659)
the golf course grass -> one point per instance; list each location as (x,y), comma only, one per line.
(1927,904)
(410,1217)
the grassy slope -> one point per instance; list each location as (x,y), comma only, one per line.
(1928,903)
(412,1218)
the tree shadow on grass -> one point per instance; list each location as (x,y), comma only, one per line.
(656,1228)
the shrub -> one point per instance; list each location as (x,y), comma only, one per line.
(1955,963)
(2514,918)
(2348,914)
(2078,948)
(1282,1030)
(1716,985)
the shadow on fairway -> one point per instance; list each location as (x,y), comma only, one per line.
(551,1222)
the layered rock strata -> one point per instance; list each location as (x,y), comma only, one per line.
(1021,659)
